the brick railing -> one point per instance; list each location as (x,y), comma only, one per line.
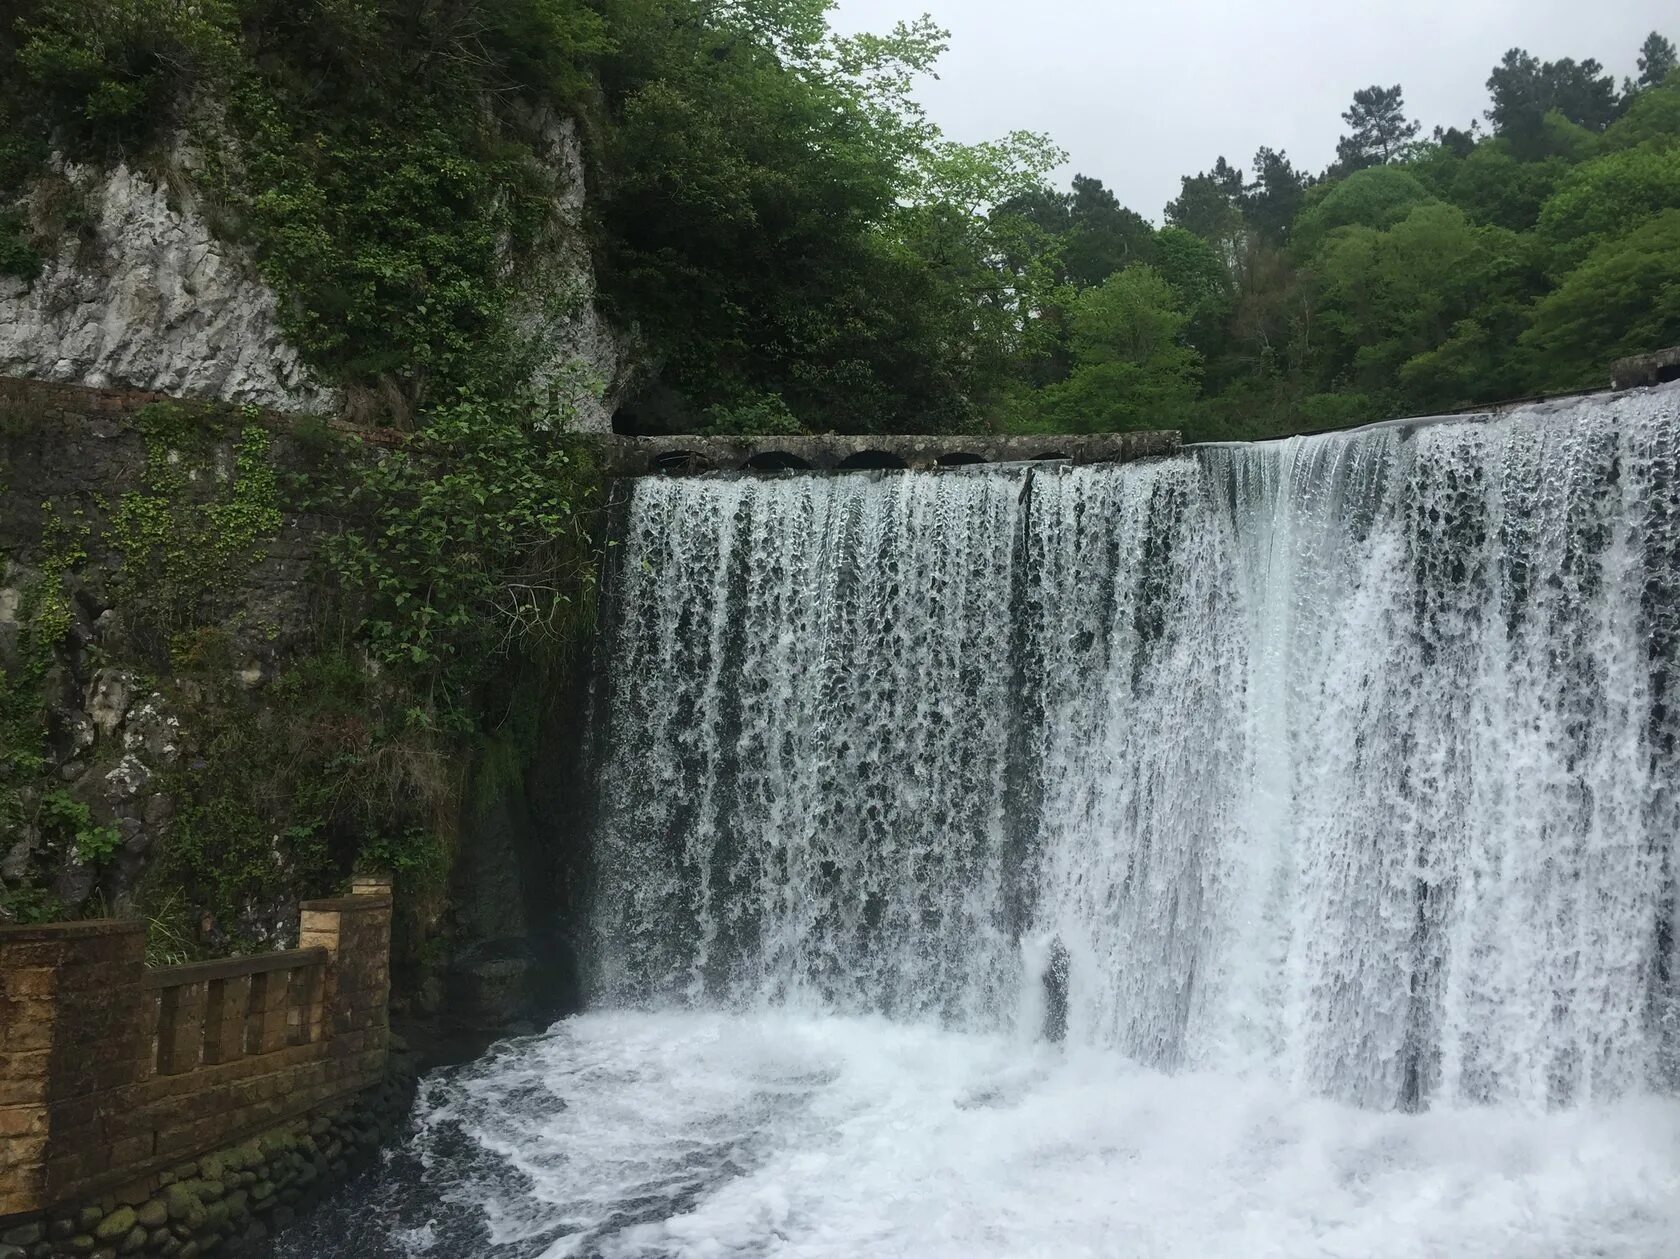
(110,1071)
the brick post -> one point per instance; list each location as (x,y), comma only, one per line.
(70,998)
(356,932)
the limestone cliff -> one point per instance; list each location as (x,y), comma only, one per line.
(146,296)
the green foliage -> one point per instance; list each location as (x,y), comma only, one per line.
(112,74)
(1493,187)
(1131,368)
(1653,117)
(478,541)
(18,255)
(29,905)
(68,820)
(760,415)
(387,234)
(784,220)
(414,854)
(1526,91)
(288,790)
(1624,298)
(1607,197)
(44,618)
(1657,60)
(180,546)
(1375,198)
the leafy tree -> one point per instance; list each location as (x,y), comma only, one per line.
(1132,369)
(1381,130)
(1606,198)
(1390,294)
(1200,282)
(1376,197)
(1103,236)
(1624,298)
(1455,140)
(1491,186)
(1413,277)
(1653,117)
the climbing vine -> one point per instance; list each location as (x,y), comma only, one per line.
(44,618)
(178,545)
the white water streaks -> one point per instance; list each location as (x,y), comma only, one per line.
(1349,759)
(693,1135)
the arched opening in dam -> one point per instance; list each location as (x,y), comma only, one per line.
(1337,775)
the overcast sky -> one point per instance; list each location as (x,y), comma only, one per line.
(1139,93)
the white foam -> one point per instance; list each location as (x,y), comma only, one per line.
(708,1135)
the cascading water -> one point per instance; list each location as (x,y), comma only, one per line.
(1348,755)
(1343,769)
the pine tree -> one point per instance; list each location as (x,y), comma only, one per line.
(1381,130)
(1656,60)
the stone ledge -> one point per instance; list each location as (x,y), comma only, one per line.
(1642,370)
(643,456)
(49,932)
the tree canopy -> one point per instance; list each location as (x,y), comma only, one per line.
(1413,275)
(794,242)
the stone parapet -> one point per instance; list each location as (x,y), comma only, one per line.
(111,1072)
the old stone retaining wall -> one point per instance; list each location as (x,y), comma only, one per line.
(115,1079)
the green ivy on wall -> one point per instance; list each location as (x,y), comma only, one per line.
(179,543)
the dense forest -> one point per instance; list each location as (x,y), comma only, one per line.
(798,246)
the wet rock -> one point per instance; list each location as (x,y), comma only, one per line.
(74,881)
(10,629)
(490,985)
(14,866)
(108,699)
(1056,993)
(158,809)
(184,1206)
(116,1225)
(150,730)
(126,780)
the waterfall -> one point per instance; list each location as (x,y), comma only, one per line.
(1349,758)
(1334,779)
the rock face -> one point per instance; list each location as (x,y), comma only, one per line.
(582,360)
(150,299)
(147,298)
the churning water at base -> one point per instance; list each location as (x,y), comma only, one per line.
(694,1135)
(1343,769)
